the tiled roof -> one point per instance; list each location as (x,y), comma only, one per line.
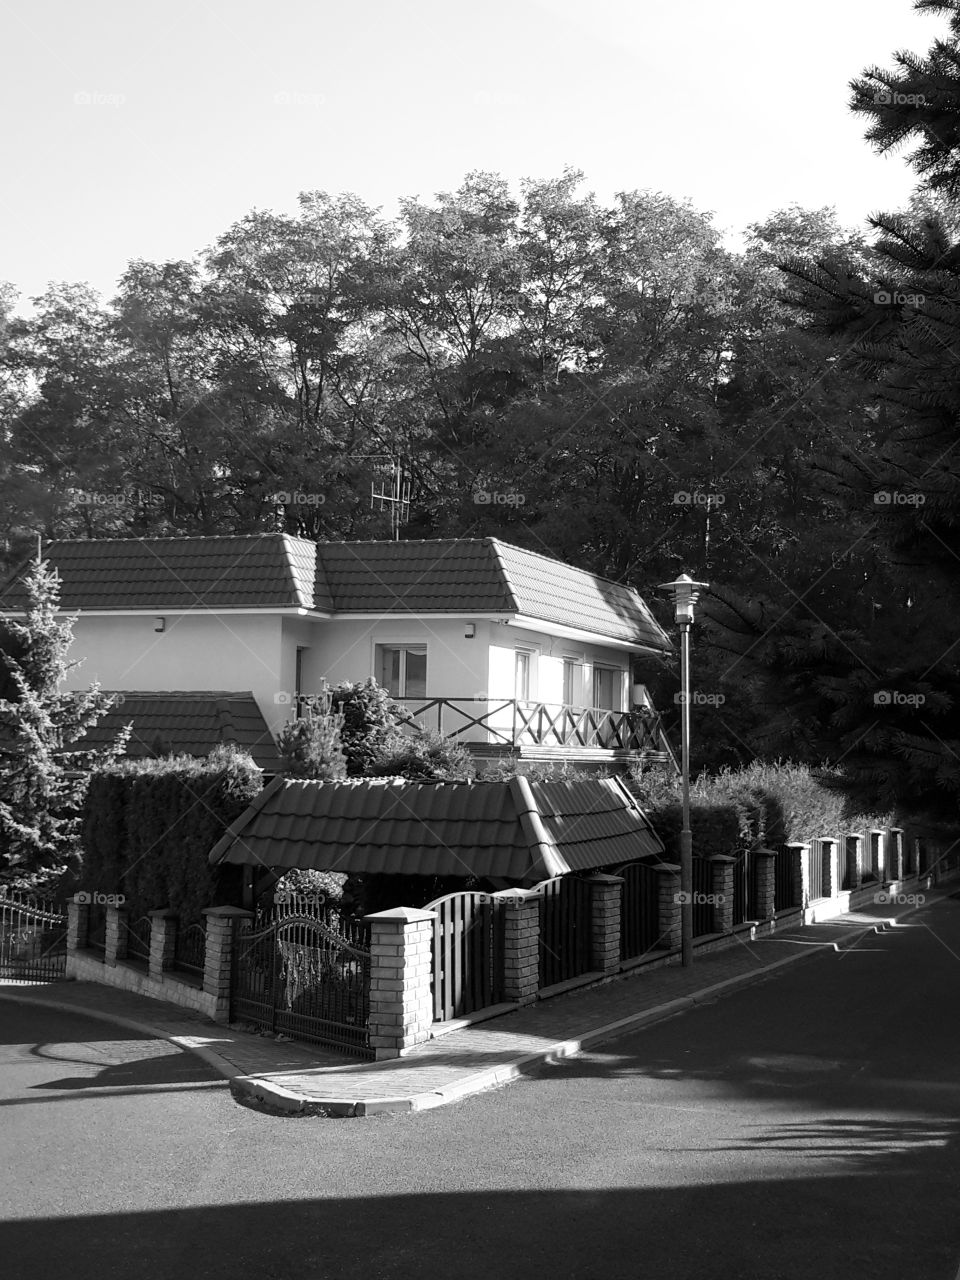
(190,724)
(438,828)
(274,570)
(270,570)
(483,575)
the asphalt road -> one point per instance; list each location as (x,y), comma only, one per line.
(806,1127)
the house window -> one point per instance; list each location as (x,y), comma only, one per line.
(572,682)
(522,681)
(606,688)
(402,669)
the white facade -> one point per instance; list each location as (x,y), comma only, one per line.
(259,652)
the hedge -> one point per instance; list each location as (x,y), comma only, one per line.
(149,826)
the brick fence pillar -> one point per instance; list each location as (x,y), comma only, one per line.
(521,945)
(606,894)
(765,873)
(401,1004)
(827,852)
(895,871)
(78,924)
(163,939)
(854,855)
(721,886)
(668,905)
(218,956)
(800,872)
(115,938)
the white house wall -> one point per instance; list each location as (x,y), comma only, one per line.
(231,652)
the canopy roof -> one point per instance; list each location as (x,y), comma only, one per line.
(515,830)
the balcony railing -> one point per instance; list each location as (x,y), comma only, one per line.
(513,722)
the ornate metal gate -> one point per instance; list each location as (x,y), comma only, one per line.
(33,938)
(303,974)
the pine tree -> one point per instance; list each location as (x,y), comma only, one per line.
(44,773)
(870,677)
(311,747)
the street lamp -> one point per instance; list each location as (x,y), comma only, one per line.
(685,593)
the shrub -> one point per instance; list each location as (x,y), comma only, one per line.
(148,827)
(311,747)
(424,758)
(371,723)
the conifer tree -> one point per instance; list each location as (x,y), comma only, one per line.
(44,773)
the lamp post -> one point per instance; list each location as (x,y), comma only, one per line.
(685,593)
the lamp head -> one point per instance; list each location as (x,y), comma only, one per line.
(685,593)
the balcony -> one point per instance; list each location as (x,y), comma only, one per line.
(492,727)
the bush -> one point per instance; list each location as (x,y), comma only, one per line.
(148,827)
(425,758)
(371,723)
(311,747)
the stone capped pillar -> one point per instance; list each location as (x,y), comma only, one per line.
(895,870)
(606,893)
(218,956)
(721,886)
(401,1002)
(115,939)
(521,945)
(668,905)
(765,873)
(854,855)
(163,940)
(78,924)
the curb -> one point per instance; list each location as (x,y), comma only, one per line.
(263,1091)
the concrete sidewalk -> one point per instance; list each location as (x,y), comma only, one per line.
(294,1077)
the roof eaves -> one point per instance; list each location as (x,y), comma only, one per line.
(236,829)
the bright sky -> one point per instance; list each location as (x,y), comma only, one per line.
(133,130)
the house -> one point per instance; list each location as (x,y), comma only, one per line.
(512,652)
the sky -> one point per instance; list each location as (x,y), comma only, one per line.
(144,131)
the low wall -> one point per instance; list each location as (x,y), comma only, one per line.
(85,967)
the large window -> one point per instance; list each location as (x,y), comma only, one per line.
(606,688)
(402,669)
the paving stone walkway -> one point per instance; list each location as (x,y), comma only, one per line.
(298,1077)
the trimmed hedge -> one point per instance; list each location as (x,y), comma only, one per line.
(149,826)
(763,803)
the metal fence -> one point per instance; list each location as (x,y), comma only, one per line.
(703,910)
(306,975)
(189,949)
(744,887)
(135,937)
(33,937)
(784,884)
